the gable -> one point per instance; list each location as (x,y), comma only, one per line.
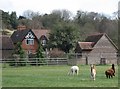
(30,35)
(105,45)
(41,32)
(43,37)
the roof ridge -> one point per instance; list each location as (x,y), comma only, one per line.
(85,42)
(96,34)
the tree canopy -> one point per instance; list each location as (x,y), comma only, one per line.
(63,37)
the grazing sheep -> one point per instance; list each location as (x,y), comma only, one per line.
(73,70)
(110,72)
(93,72)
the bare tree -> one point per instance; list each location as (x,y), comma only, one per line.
(64,14)
(29,14)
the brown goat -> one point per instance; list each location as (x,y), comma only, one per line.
(110,72)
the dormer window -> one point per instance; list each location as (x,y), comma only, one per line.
(43,42)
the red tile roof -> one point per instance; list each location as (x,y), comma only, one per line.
(41,32)
(96,37)
(91,40)
(86,45)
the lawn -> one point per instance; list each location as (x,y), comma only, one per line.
(55,76)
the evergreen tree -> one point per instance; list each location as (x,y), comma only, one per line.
(20,55)
(13,20)
(6,20)
(39,54)
(19,51)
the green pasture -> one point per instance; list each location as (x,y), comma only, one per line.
(55,76)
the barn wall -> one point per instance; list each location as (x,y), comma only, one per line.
(103,49)
(6,54)
(81,60)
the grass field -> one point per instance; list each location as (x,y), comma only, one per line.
(55,76)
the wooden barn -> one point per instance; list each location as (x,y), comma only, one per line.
(7,47)
(97,49)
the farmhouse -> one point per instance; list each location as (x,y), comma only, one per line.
(30,38)
(41,34)
(97,49)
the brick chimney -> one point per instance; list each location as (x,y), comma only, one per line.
(21,27)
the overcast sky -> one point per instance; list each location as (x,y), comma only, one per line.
(46,6)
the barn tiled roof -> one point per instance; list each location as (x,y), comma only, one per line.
(94,38)
(19,35)
(86,45)
(6,43)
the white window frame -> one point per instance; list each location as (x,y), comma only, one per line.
(29,41)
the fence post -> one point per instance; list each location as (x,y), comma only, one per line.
(47,61)
(36,62)
(57,61)
(4,66)
(26,59)
(67,59)
(16,63)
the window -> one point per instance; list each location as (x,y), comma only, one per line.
(43,42)
(30,41)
